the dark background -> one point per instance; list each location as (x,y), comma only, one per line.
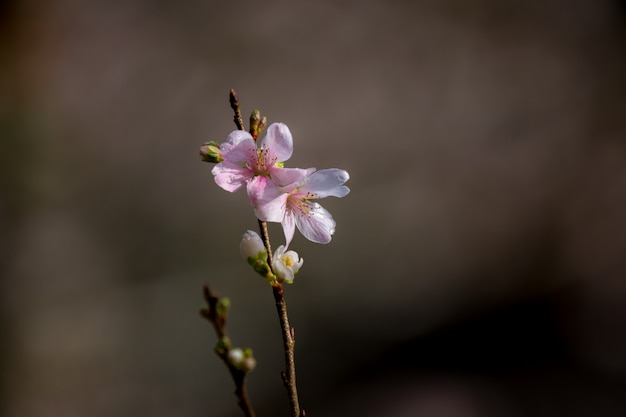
(478,268)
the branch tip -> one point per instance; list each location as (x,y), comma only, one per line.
(234,104)
(206,292)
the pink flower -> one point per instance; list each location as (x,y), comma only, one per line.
(246,163)
(294,205)
(281,195)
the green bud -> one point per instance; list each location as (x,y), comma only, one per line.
(222,346)
(222,307)
(262,125)
(259,265)
(210,152)
(255,120)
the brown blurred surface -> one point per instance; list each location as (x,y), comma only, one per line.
(479,264)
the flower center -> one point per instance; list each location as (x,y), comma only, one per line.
(301,203)
(260,161)
(287,260)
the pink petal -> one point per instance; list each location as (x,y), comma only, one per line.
(290,178)
(318,226)
(241,151)
(289,227)
(231,176)
(268,201)
(237,136)
(279,141)
(328,182)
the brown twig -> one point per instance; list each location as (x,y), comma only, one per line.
(265,236)
(289,341)
(218,319)
(234,104)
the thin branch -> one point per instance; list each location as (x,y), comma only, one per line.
(218,319)
(265,236)
(234,104)
(289,341)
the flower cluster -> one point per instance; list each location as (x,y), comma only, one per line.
(278,194)
(285,264)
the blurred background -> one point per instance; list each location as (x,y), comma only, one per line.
(478,267)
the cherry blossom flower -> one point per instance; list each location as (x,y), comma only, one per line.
(269,200)
(294,205)
(246,163)
(286,263)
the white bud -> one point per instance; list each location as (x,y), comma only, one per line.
(286,264)
(252,246)
(235,356)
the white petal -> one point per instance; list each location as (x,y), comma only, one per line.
(289,227)
(290,178)
(295,259)
(318,226)
(251,245)
(237,136)
(283,273)
(328,182)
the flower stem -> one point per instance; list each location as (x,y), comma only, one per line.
(289,341)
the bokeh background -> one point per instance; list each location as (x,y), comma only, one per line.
(479,265)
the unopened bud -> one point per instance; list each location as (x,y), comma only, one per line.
(254,252)
(255,119)
(210,152)
(262,125)
(222,307)
(241,359)
(222,345)
(248,364)
(235,357)
(252,246)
